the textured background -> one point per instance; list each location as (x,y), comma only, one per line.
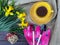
(55,39)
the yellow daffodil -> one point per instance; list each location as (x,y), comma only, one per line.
(20,15)
(23,24)
(8,11)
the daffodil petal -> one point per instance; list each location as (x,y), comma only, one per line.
(11,13)
(17,12)
(24,14)
(3,9)
(6,8)
(6,14)
(22,19)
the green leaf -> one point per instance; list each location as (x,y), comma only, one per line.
(5,3)
(0,6)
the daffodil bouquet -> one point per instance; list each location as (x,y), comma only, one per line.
(12,18)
